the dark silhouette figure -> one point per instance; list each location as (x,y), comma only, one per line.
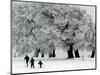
(26,59)
(32,62)
(40,63)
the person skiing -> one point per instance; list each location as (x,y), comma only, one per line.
(32,62)
(26,58)
(40,63)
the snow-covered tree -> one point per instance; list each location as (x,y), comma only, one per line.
(42,28)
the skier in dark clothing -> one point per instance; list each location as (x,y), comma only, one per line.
(40,63)
(27,59)
(32,62)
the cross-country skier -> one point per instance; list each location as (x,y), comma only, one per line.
(32,62)
(40,63)
(26,58)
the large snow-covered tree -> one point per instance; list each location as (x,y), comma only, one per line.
(42,28)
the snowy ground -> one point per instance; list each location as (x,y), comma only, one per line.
(53,64)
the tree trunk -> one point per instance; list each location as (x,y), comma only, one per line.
(93,53)
(42,54)
(77,54)
(50,54)
(70,52)
(53,54)
(36,54)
